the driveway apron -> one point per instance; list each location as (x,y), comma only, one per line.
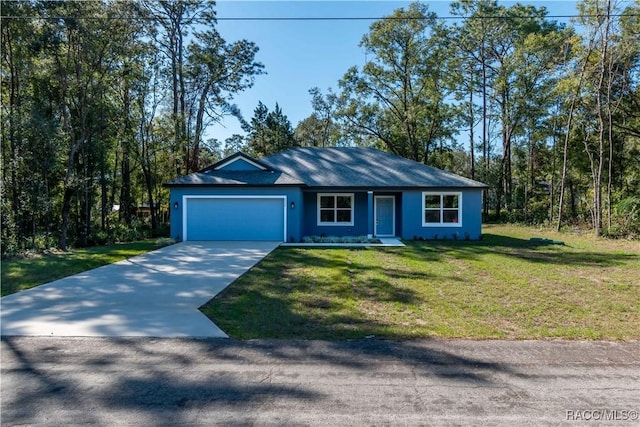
(155,295)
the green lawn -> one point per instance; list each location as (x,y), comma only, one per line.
(504,286)
(24,273)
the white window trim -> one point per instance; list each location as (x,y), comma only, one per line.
(339,224)
(442,224)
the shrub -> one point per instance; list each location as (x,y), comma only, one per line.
(625,220)
(164,241)
(337,239)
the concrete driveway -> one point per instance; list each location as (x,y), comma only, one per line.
(155,295)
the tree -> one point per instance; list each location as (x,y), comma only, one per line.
(100,106)
(171,23)
(269,132)
(217,71)
(517,54)
(472,59)
(234,144)
(83,62)
(398,98)
(321,128)
(607,59)
(18,65)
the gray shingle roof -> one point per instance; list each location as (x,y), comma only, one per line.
(236,177)
(353,167)
(361,167)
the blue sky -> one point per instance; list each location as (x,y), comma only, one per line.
(299,55)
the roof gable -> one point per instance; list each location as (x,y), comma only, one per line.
(238,169)
(237,162)
(235,177)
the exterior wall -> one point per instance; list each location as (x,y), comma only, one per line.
(310,225)
(470,226)
(293,194)
(302,219)
(363,214)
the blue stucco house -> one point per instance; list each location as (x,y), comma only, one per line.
(348,191)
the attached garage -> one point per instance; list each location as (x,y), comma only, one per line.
(234,217)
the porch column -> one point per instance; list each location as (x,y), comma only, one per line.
(370,214)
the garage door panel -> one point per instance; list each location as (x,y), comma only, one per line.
(235,219)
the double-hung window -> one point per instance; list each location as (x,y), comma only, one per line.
(335,209)
(441,209)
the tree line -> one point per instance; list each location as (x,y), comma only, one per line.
(545,113)
(103,101)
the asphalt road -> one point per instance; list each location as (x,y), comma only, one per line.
(172,382)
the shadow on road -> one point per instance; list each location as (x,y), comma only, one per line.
(159,378)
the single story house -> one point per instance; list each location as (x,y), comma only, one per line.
(346,191)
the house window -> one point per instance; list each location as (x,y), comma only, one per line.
(441,209)
(335,209)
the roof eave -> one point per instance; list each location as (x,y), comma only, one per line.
(208,184)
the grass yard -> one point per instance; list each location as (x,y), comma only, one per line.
(504,287)
(26,272)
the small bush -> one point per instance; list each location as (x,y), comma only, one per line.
(339,239)
(164,241)
(626,219)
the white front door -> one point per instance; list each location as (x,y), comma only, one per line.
(385,215)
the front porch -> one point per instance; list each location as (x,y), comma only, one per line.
(352,213)
(384,242)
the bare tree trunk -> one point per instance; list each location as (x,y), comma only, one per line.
(126,203)
(611,70)
(86,214)
(152,207)
(68,193)
(471,123)
(183,110)
(15,132)
(506,150)
(552,182)
(194,166)
(597,178)
(565,150)
(485,150)
(103,197)
(610,168)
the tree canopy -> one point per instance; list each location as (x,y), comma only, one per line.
(103,102)
(543,112)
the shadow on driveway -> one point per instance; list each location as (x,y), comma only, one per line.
(155,294)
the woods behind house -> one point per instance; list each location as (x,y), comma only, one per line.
(102,102)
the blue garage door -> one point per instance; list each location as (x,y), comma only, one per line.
(235,219)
